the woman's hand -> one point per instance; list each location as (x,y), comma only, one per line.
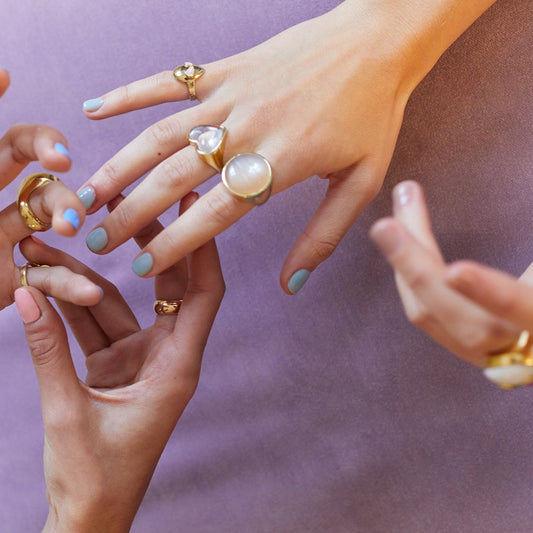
(325,97)
(104,437)
(470,309)
(53,203)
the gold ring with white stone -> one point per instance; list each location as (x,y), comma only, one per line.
(188,74)
(514,367)
(249,177)
(209,142)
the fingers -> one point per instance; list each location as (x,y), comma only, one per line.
(4,81)
(156,89)
(348,194)
(24,143)
(48,344)
(497,292)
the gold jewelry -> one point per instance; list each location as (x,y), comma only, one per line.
(167,307)
(209,142)
(189,73)
(513,367)
(249,177)
(27,187)
(24,272)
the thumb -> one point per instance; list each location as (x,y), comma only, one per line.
(349,192)
(48,344)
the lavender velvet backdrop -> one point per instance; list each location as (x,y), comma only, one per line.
(324,412)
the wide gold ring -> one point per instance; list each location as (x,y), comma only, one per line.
(167,307)
(248,177)
(24,272)
(188,74)
(27,187)
(209,142)
(512,367)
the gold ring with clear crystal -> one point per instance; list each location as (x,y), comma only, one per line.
(167,307)
(188,74)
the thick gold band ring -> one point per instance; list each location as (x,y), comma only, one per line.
(167,307)
(24,272)
(27,187)
(249,177)
(209,142)
(188,74)
(513,367)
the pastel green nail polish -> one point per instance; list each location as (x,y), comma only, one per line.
(93,104)
(298,280)
(72,217)
(142,265)
(87,196)
(58,147)
(97,240)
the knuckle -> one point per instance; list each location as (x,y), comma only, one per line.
(417,280)
(44,348)
(321,248)
(120,219)
(173,171)
(111,174)
(163,133)
(124,95)
(218,208)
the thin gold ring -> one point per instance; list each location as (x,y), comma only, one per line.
(24,272)
(167,307)
(188,74)
(27,187)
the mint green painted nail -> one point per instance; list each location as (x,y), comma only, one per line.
(87,196)
(142,265)
(97,240)
(298,280)
(94,104)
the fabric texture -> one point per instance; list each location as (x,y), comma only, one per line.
(327,411)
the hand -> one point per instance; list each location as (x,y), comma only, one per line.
(325,97)
(104,437)
(469,309)
(53,203)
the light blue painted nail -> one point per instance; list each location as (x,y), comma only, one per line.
(298,280)
(93,104)
(71,216)
(87,196)
(142,265)
(58,147)
(97,240)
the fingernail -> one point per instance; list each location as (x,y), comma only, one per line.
(27,306)
(97,240)
(298,280)
(72,217)
(36,239)
(93,104)
(58,147)
(87,196)
(403,194)
(101,290)
(386,237)
(142,265)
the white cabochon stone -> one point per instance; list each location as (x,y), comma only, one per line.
(510,375)
(247,173)
(207,138)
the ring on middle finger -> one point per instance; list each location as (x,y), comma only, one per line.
(209,142)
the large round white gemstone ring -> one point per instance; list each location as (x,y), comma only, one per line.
(248,176)
(209,142)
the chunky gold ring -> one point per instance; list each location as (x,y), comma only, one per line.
(209,142)
(27,187)
(188,74)
(513,367)
(167,307)
(24,272)
(249,177)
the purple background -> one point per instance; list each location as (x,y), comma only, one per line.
(321,412)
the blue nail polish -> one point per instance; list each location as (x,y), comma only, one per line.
(71,216)
(97,240)
(143,264)
(87,196)
(58,147)
(92,105)
(298,280)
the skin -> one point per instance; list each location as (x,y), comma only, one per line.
(470,309)
(22,144)
(104,436)
(346,124)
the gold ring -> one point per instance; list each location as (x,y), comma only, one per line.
(27,187)
(209,143)
(167,307)
(513,367)
(249,177)
(188,74)
(24,272)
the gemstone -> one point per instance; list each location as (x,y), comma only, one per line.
(206,138)
(510,376)
(247,174)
